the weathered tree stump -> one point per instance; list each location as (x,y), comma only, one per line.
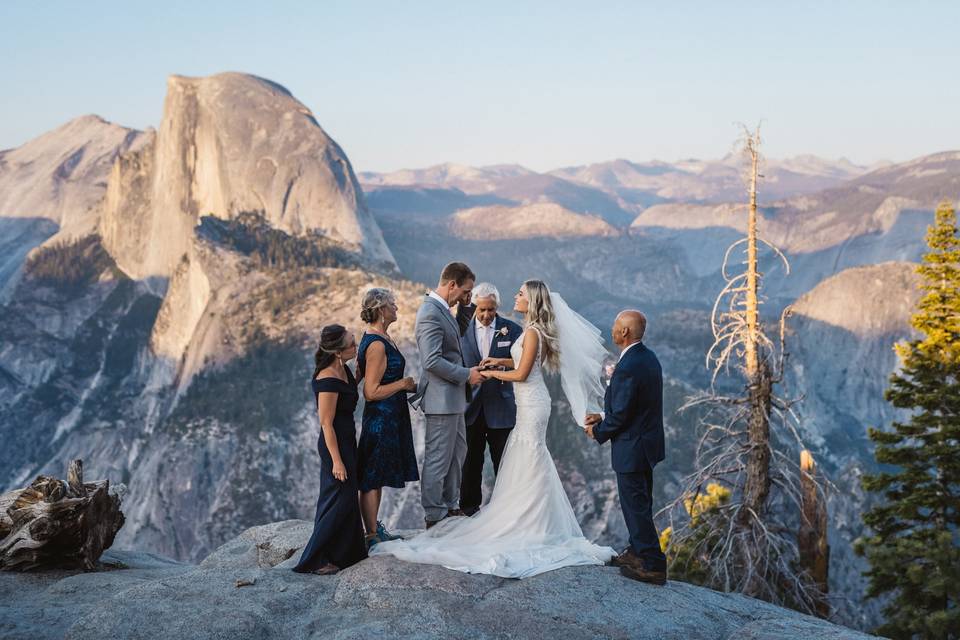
(57,524)
(812,538)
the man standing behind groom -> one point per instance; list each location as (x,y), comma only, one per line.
(633,422)
(443,393)
(492,410)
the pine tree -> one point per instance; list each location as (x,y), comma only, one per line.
(914,549)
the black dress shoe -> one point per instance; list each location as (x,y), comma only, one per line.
(469,511)
(638,573)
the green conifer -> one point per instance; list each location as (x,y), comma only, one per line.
(914,547)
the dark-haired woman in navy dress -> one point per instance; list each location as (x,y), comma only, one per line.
(386,455)
(337,540)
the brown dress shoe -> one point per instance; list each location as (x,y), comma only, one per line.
(431,523)
(637,572)
(625,558)
(454,513)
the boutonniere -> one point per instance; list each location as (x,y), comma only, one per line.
(504,331)
(608,370)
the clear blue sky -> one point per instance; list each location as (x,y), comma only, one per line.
(545,84)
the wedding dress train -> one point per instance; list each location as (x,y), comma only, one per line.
(528,527)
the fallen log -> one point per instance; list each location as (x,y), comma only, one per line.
(57,524)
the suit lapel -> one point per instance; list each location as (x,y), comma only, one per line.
(446,313)
(497,325)
(453,322)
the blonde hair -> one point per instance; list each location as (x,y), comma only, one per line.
(373,300)
(540,315)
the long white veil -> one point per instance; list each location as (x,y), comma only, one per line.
(582,357)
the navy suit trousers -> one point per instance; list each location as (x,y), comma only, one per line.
(636,498)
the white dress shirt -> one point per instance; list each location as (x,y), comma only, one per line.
(484,338)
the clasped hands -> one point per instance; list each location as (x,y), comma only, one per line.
(589,422)
(489,367)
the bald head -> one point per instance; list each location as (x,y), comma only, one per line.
(629,327)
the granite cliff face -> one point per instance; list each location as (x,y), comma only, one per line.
(228,144)
(201,262)
(52,185)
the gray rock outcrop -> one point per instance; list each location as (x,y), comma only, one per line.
(146,596)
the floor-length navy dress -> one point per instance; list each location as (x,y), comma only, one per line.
(338,528)
(386,457)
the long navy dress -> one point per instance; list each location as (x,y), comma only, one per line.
(338,528)
(386,457)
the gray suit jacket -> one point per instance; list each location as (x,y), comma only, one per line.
(443,376)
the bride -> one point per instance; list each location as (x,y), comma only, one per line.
(528,527)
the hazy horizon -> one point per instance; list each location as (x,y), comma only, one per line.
(540,85)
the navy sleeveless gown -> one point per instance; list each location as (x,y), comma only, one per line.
(338,528)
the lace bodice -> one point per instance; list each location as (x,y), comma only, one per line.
(533,399)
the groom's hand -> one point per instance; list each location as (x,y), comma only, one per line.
(592,419)
(475,376)
(588,429)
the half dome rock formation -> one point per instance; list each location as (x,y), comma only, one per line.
(228,144)
(540,220)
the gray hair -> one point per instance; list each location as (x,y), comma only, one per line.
(485,290)
(373,300)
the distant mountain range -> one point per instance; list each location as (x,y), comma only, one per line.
(161,292)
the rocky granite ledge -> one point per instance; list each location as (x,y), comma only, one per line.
(141,595)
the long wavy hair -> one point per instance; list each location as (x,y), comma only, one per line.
(541,316)
(333,339)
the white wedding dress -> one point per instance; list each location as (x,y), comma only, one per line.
(528,527)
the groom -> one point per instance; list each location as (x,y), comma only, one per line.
(633,422)
(443,393)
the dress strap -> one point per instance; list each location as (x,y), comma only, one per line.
(539,342)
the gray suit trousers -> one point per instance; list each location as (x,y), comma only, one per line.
(443,455)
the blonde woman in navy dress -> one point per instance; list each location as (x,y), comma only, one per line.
(386,456)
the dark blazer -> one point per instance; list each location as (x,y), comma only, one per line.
(493,396)
(464,316)
(633,412)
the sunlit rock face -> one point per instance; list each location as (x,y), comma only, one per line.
(227,144)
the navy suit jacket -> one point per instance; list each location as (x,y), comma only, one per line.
(493,396)
(633,412)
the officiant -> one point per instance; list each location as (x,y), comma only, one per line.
(491,412)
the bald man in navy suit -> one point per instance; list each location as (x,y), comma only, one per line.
(633,423)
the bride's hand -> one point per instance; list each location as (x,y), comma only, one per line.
(339,471)
(486,362)
(490,374)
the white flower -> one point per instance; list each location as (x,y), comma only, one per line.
(504,331)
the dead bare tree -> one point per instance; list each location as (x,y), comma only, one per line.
(747,543)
